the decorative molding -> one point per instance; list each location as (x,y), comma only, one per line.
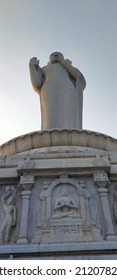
(39,139)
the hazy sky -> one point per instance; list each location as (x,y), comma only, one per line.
(85,31)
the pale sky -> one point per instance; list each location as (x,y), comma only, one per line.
(85,31)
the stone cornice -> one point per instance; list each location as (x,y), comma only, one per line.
(49,138)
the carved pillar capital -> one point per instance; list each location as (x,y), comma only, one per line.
(25,166)
(101,180)
(26,182)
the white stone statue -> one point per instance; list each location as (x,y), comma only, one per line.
(8,203)
(60,86)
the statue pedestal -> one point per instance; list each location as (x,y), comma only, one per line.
(65,191)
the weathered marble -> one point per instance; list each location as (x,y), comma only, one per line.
(65,197)
(59,138)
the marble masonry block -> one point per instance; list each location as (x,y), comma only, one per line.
(79,138)
(23,143)
(43,141)
(113,157)
(8,173)
(9,148)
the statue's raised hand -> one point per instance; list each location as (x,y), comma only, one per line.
(34,61)
(35,73)
(66,62)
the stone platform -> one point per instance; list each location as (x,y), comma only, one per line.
(60,187)
(52,138)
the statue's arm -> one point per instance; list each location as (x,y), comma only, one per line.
(74,72)
(5,197)
(35,74)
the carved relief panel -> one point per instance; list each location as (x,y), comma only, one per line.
(65,213)
(60,210)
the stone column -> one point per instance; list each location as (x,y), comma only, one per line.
(102,181)
(43,197)
(26,183)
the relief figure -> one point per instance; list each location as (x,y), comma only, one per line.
(9,220)
(65,206)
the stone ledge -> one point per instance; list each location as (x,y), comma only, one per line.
(47,249)
(56,137)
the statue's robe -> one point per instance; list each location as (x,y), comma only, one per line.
(59,98)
